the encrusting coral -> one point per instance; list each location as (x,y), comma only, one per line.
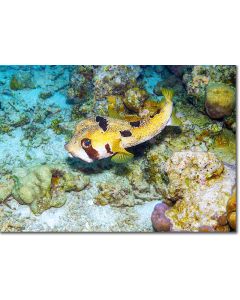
(197,189)
(44,186)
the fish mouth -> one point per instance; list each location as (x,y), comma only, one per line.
(70,154)
(77,153)
(66,146)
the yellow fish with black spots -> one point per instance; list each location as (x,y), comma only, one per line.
(102,137)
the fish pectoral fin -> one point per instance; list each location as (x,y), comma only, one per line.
(120,158)
(117,147)
(122,155)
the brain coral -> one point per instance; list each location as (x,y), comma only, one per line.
(220,100)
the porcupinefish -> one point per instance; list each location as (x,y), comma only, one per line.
(102,137)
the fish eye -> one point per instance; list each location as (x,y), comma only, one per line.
(86,143)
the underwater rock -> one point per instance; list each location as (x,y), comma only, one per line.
(231,210)
(223,73)
(128,190)
(134,99)
(114,80)
(80,92)
(7,223)
(22,80)
(137,177)
(117,194)
(81,86)
(198,188)
(6,187)
(186,169)
(220,100)
(44,186)
(159,220)
(156,161)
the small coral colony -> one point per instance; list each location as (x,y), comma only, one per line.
(118,148)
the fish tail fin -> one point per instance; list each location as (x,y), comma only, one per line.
(168,94)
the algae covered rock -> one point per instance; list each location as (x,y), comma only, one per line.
(134,99)
(198,190)
(81,85)
(114,80)
(231,210)
(198,79)
(187,169)
(6,187)
(115,194)
(44,186)
(220,100)
(21,80)
(128,190)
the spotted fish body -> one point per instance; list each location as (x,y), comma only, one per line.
(102,137)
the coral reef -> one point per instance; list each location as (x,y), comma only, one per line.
(6,186)
(22,80)
(189,168)
(115,194)
(81,87)
(197,189)
(231,210)
(220,100)
(159,220)
(129,188)
(199,77)
(43,186)
(114,80)
(134,99)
